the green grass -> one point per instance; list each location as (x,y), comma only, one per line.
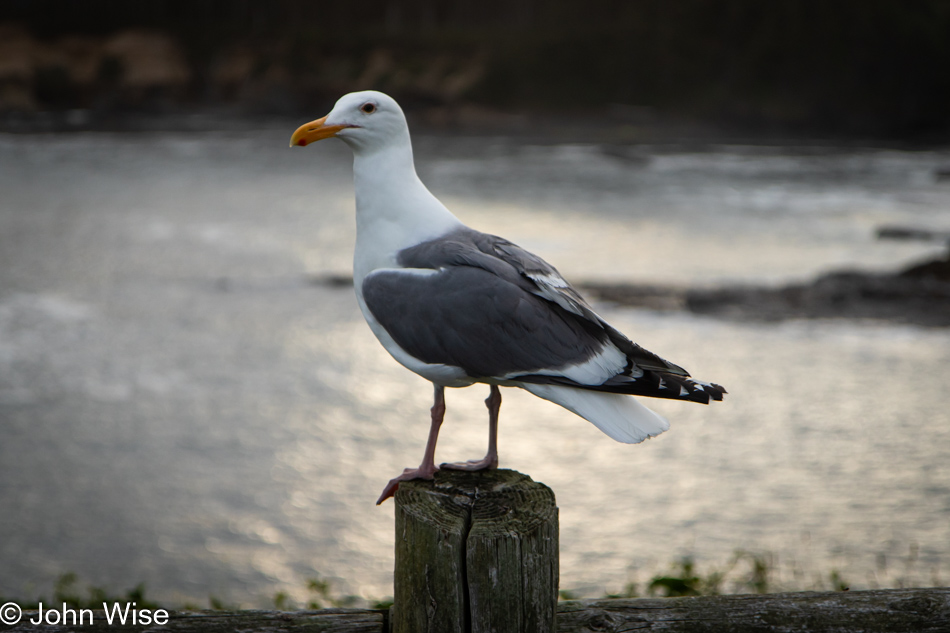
(66,591)
(745,572)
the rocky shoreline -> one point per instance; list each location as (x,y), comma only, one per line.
(918,295)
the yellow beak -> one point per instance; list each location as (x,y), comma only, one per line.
(314,131)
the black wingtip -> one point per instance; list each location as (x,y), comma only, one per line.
(719,392)
(708,392)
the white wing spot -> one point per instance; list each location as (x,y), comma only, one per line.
(550,280)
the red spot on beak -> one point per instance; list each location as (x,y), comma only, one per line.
(302,142)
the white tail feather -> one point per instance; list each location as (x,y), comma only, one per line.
(621,417)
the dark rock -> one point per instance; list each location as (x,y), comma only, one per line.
(937,269)
(919,295)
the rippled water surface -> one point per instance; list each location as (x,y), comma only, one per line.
(181,405)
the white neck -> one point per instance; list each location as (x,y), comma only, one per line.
(394,210)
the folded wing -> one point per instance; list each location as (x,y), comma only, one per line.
(483,304)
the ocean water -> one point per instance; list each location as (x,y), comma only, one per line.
(182,405)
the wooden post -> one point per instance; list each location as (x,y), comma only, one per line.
(475,552)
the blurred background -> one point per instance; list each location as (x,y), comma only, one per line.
(189,397)
(843,68)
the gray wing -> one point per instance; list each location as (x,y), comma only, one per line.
(530,273)
(469,317)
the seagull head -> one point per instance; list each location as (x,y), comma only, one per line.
(367,121)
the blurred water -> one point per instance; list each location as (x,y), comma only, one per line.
(180,405)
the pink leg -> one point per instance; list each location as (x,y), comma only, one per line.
(427,468)
(493,402)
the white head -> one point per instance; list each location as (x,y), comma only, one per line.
(367,121)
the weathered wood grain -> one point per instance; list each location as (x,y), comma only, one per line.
(429,587)
(888,610)
(475,552)
(323,621)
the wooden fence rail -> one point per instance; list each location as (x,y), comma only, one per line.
(880,611)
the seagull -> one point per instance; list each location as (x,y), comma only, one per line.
(460,307)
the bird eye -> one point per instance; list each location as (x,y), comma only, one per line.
(368,108)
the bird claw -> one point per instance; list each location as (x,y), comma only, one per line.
(407,475)
(473,465)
